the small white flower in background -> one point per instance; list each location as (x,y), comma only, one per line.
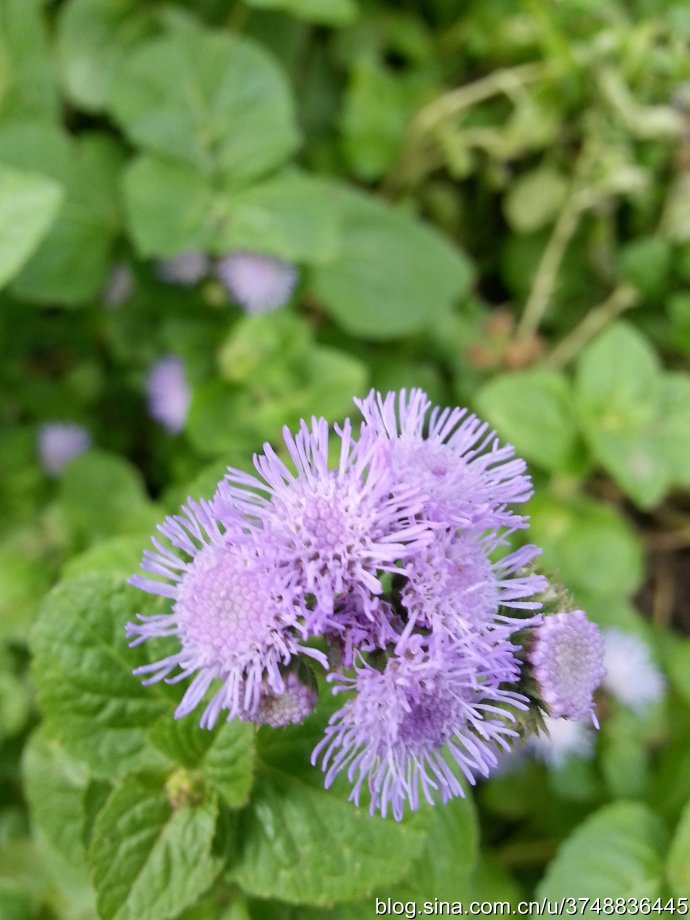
(563,739)
(258,283)
(60,442)
(187,269)
(119,287)
(631,675)
(168,393)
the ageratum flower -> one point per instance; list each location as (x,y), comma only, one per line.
(334,529)
(433,714)
(258,283)
(453,585)
(60,442)
(168,393)
(567,659)
(631,675)
(186,269)
(233,615)
(562,740)
(467,478)
(291,706)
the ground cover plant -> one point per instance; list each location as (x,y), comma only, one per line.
(220,219)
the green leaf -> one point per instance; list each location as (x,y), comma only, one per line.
(55,786)
(378,105)
(392,275)
(27,86)
(83,668)
(535,198)
(678,866)
(617,852)
(447,864)
(94,38)
(151,860)
(71,263)
(224,756)
(102,493)
(117,556)
(306,845)
(646,263)
(290,216)
(213,100)
(534,411)
(28,205)
(635,417)
(171,207)
(587,546)
(327,12)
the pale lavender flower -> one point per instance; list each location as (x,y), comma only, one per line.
(233,614)
(289,707)
(567,660)
(119,285)
(562,740)
(60,442)
(631,675)
(334,529)
(186,269)
(168,393)
(453,585)
(258,283)
(467,478)
(428,718)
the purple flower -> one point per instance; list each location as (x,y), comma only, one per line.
(233,615)
(453,585)
(631,675)
(168,393)
(428,717)
(567,659)
(60,442)
(186,269)
(258,283)
(291,706)
(334,529)
(455,459)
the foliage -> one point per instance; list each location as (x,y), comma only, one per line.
(488,200)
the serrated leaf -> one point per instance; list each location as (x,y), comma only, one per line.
(534,411)
(149,860)
(83,668)
(392,275)
(225,756)
(617,852)
(28,205)
(210,99)
(306,845)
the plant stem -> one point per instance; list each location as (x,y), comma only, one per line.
(623,298)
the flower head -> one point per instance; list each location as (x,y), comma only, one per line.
(432,715)
(233,614)
(60,442)
(567,659)
(168,393)
(334,528)
(562,740)
(631,675)
(186,269)
(291,706)
(258,283)
(467,478)
(453,585)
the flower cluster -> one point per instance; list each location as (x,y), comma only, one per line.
(377,555)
